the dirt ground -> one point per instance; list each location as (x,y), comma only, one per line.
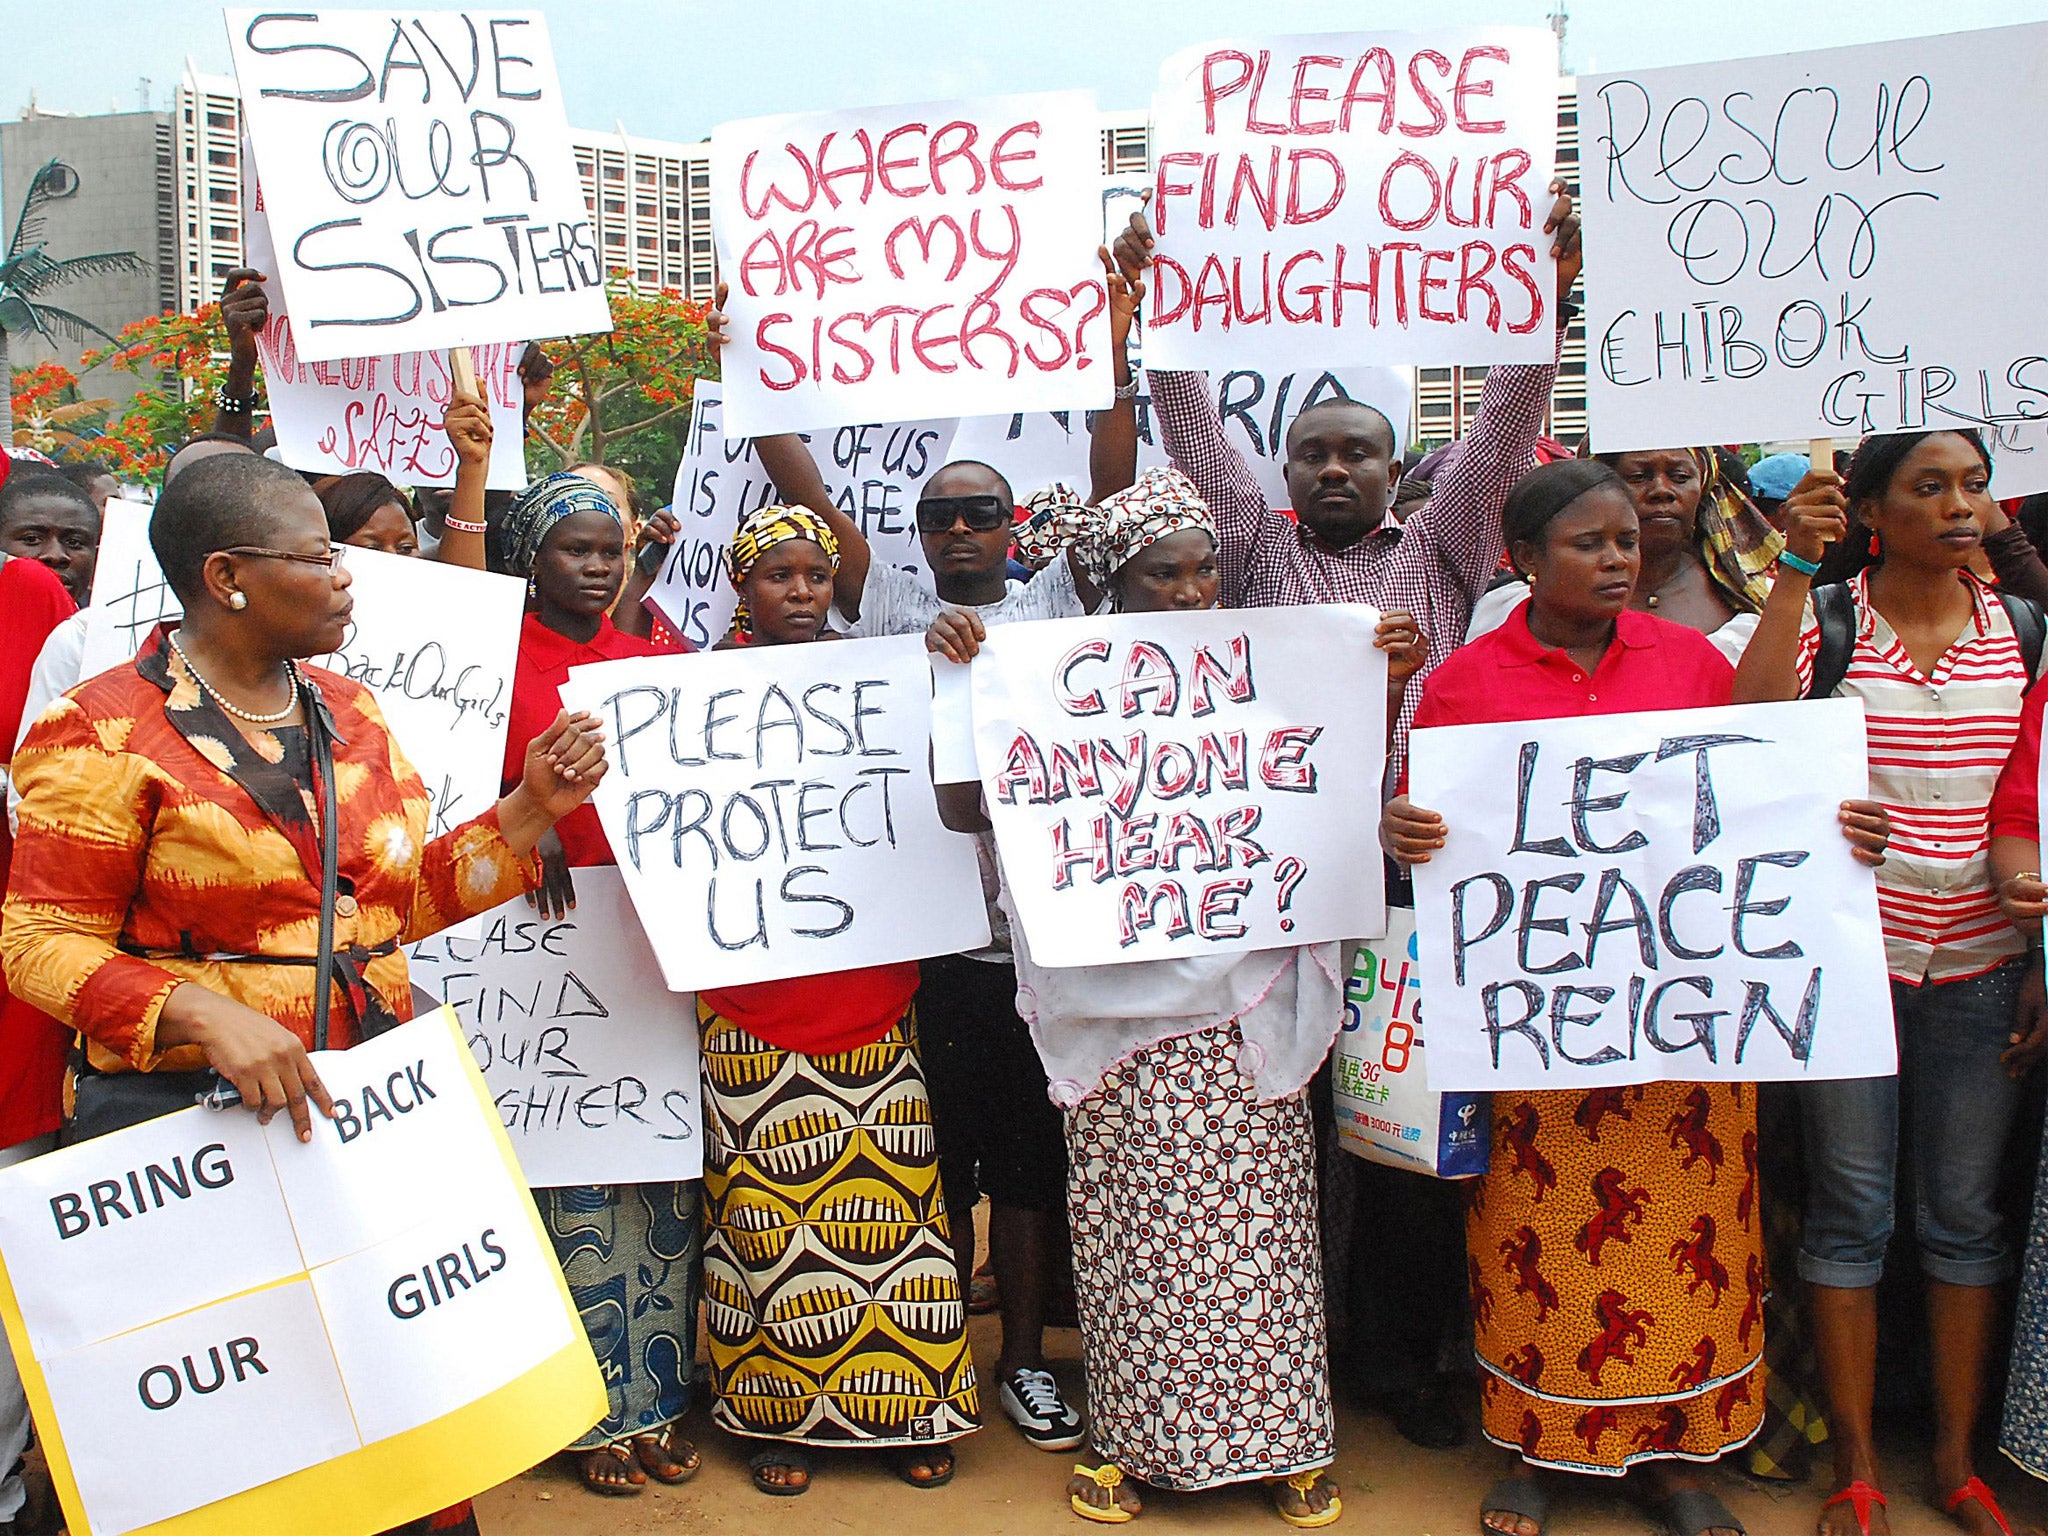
(1006,1488)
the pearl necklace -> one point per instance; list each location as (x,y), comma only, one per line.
(291,673)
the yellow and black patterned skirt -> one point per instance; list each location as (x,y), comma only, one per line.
(833,1306)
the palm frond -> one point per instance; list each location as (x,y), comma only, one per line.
(28,229)
(34,276)
(51,322)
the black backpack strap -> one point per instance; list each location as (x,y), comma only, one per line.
(1834,608)
(2029,627)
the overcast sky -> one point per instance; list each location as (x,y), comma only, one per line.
(672,69)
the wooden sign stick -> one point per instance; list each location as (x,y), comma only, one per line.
(462,368)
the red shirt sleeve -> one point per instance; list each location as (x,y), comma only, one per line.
(2016,802)
(33,601)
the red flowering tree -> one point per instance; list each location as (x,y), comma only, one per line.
(623,397)
(49,414)
(184,359)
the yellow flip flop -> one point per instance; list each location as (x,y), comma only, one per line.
(1108,1476)
(1301,1483)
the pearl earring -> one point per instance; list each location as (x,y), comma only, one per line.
(238,601)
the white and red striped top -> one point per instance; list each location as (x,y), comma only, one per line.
(1937,743)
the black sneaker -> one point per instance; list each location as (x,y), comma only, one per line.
(1033,1402)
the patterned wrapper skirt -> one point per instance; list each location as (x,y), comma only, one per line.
(1617,1272)
(1198,1270)
(831,1297)
(2024,1434)
(629,1253)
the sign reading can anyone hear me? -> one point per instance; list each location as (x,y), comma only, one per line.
(293,1336)
(1650,897)
(1168,784)
(772,811)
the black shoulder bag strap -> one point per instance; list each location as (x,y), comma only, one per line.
(1834,608)
(322,742)
(2029,627)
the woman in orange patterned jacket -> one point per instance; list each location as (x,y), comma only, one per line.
(167,820)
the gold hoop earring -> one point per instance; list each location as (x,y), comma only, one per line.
(238,601)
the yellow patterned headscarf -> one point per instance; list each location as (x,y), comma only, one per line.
(759,532)
(1737,542)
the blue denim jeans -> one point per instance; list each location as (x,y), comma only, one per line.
(1960,1109)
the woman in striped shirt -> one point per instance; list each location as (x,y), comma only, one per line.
(1940,670)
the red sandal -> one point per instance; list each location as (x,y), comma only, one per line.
(1975,1489)
(1861,1497)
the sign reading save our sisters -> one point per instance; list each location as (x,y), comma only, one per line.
(1650,897)
(1170,784)
(1373,197)
(591,1060)
(418,179)
(1764,235)
(902,262)
(328,1339)
(772,810)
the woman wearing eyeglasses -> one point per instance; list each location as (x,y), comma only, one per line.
(161,902)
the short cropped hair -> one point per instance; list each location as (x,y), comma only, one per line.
(213,505)
(25,483)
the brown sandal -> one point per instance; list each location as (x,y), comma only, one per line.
(610,1470)
(657,1454)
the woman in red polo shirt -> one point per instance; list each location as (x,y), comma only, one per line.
(630,1251)
(1577,648)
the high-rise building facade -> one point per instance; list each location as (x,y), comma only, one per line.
(206,123)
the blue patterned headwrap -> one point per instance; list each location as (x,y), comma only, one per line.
(542,505)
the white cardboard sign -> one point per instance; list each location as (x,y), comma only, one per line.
(402,1214)
(874,471)
(1177,784)
(1762,236)
(1368,197)
(129,594)
(591,1059)
(773,812)
(418,178)
(437,645)
(893,263)
(1650,897)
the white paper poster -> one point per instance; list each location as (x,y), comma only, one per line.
(129,594)
(1370,197)
(382,413)
(1650,897)
(1763,240)
(874,472)
(591,1059)
(435,1284)
(418,178)
(772,809)
(1169,784)
(893,263)
(1033,450)
(437,644)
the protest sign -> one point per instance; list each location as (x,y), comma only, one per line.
(772,809)
(418,180)
(1034,449)
(874,473)
(1815,244)
(326,1338)
(591,1060)
(129,594)
(1651,897)
(378,413)
(1374,197)
(1168,784)
(437,645)
(899,262)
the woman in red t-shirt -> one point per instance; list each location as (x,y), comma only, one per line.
(831,1293)
(1588,1196)
(629,1251)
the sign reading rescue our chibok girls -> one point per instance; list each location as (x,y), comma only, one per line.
(772,809)
(418,178)
(894,263)
(1378,197)
(1173,784)
(1818,245)
(1650,897)
(221,1330)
